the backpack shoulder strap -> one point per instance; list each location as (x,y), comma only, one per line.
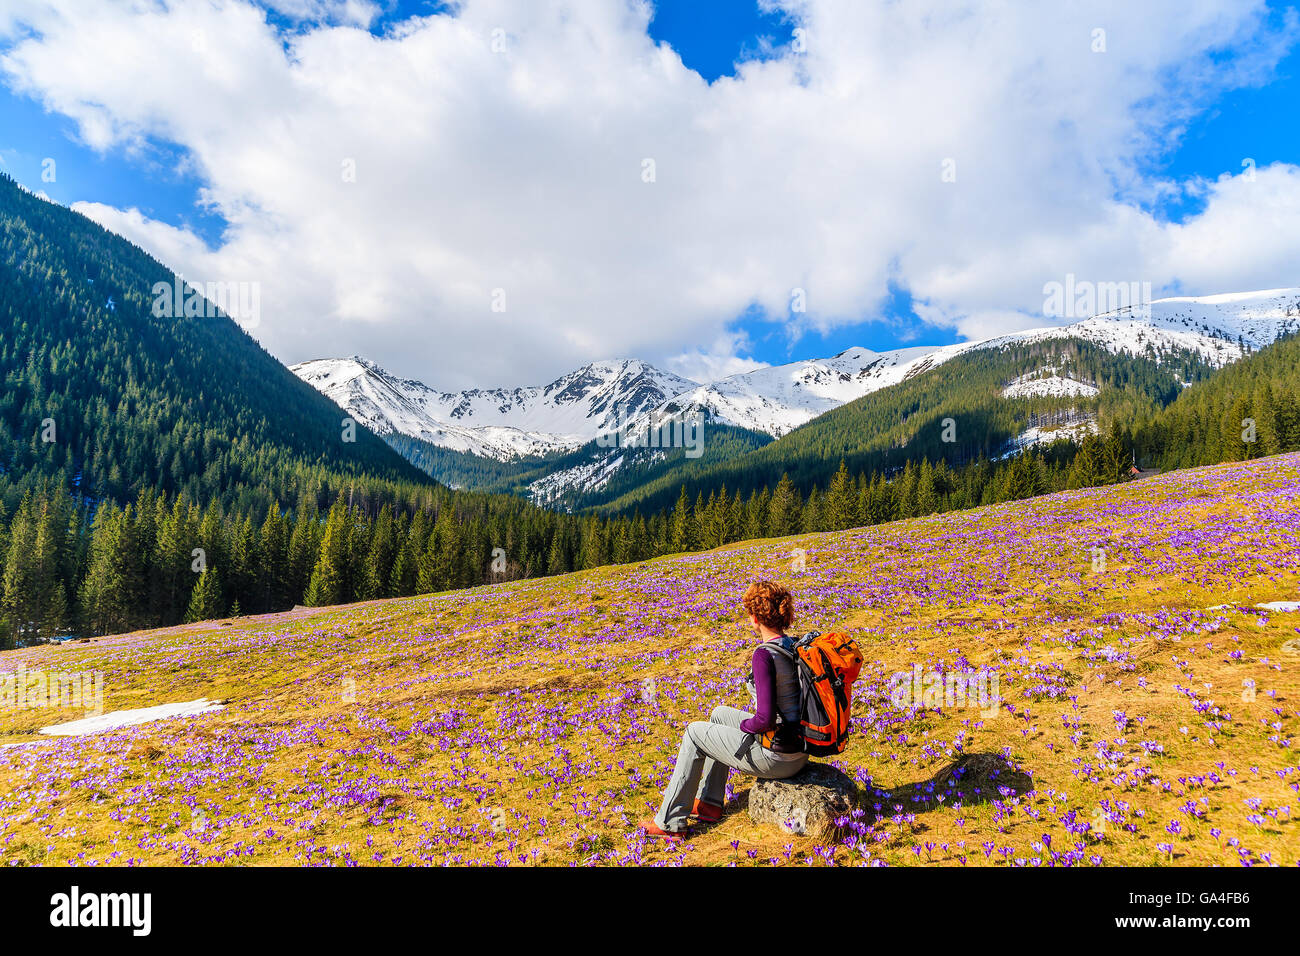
(785,647)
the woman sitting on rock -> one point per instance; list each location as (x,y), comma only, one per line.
(732,738)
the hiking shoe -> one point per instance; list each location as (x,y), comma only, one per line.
(653,831)
(707,812)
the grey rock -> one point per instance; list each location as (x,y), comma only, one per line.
(807,803)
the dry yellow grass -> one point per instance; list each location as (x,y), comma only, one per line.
(536,722)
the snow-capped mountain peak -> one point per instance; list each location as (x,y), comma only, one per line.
(603,396)
(779,398)
(498,422)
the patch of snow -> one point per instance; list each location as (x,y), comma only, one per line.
(1280,606)
(589,476)
(1052,386)
(1075,431)
(128,718)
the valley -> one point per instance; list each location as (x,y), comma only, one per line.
(1190,337)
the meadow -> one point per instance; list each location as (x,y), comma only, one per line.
(1149,699)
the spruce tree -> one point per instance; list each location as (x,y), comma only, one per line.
(682,524)
(205,600)
(273,549)
(16,607)
(48,597)
(841,501)
(927,495)
(110,596)
(784,511)
(327,577)
(379,560)
(171,580)
(557,559)
(813,516)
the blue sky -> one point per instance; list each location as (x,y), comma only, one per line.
(710,37)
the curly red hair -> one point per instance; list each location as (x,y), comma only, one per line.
(771,603)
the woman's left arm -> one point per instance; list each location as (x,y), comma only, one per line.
(764,718)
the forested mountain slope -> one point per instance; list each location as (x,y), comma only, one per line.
(113,399)
(1245,411)
(974,405)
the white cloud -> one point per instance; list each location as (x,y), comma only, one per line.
(1248,237)
(706,367)
(522,170)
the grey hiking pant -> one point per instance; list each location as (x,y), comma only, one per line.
(707,753)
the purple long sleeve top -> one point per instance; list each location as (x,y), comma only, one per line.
(764,670)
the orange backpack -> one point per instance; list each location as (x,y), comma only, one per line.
(827,665)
